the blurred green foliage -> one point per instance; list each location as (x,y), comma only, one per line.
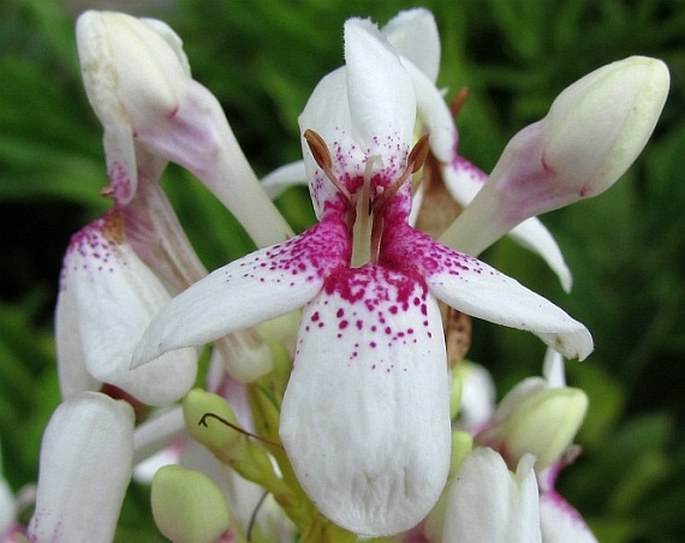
(262,59)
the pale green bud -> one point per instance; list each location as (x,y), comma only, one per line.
(544,424)
(203,413)
(536,418)
(598,126)
(187,506)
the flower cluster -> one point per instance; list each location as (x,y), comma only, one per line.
(329,385)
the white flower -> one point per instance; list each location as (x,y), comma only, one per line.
(365,417)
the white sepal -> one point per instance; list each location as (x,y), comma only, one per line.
(85,467)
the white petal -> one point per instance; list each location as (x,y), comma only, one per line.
(260,286)
(486,502)
(561,523)
(108,297)
(414,35)
(283,178)
(85,467)
(533,235)
(380,92)
(478,395)
(473,287)
(71,365)
(365,417)
(433,113)
(464,180)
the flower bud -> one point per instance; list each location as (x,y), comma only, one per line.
(134,71)
(593,132)
(203,413)
(538,420)
(598,126)
(187,506)
(138,81)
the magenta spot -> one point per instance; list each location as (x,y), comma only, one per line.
(340,313)
(343,324)
(316,316)
(372,344)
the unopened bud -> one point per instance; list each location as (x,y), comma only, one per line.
(211,421)
(538,420)
(593,132)
(187,506)
(598,126)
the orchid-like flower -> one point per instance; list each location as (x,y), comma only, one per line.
(414,36)
(365,418)
(119,270)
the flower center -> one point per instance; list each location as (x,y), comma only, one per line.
(367,206)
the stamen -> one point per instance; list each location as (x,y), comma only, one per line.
(415,161)
(458,102)
(362,242)
(322,156)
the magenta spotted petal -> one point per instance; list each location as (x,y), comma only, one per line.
(365,418)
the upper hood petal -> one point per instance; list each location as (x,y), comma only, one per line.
(414,35)
(364,110)
(381,96)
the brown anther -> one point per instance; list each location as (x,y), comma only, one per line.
(319,149)
(107,192)
(418,154)
(458,101)
(322,156)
